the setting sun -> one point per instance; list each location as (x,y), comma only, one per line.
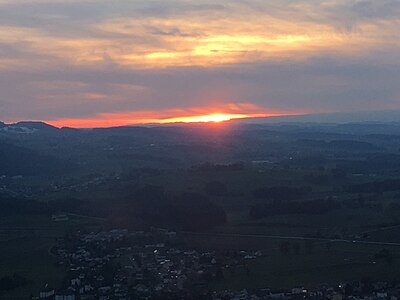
(166,117)
(214,118)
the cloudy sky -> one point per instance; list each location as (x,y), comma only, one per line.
(102,62)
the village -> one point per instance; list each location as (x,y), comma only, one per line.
(123,265)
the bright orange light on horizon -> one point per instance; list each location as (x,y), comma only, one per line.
(214,118)
(160,117)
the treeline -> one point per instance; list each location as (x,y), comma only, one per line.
(310,207)
(92,207)
(282,193)
(379,163)
(382,163)
(188,211)
(388,185)
(15,160)
(147,206)
(215,188)
(8,283)
(342,145)
(12,205)
(207,167)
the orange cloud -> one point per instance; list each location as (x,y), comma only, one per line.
(193,39)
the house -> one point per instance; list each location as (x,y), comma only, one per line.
(381,295)
(337,297)
(278,295)
(85,289)
(75,282)
(46,293)
(298,290)
(68,294)
(65,296)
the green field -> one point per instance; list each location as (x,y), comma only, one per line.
(25,243)
(315,264)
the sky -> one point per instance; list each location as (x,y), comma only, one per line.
(94,63)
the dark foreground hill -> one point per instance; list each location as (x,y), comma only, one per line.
(15,160)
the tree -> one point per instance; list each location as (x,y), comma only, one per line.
(367,286)
(386,255)
(348,290)
(285,247)
(310,244)
(329,245)
(8,283)
(220,274)
(296,248)
(216,188)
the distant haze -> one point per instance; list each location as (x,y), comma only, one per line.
(354,117)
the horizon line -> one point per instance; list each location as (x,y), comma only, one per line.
(238,119)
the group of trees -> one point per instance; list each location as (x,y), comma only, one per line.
(189,211)
(18,205)
(16,160)
(12,205)
(381,163)
(337,145)
(282,193)
(219,167)
(287,247)
(385,255)
(8,283)
(216,188)
(310,207)
(149,206)
(388,185)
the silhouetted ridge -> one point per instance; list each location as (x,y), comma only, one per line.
(16,160)
(35,125)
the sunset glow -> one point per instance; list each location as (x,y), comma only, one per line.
(216,118)
(143,118)
(98,63)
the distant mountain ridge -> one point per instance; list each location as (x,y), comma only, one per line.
(27,127)
(31,148)
(36,125)
(386,116)
(373,117)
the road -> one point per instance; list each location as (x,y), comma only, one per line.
(297,238)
